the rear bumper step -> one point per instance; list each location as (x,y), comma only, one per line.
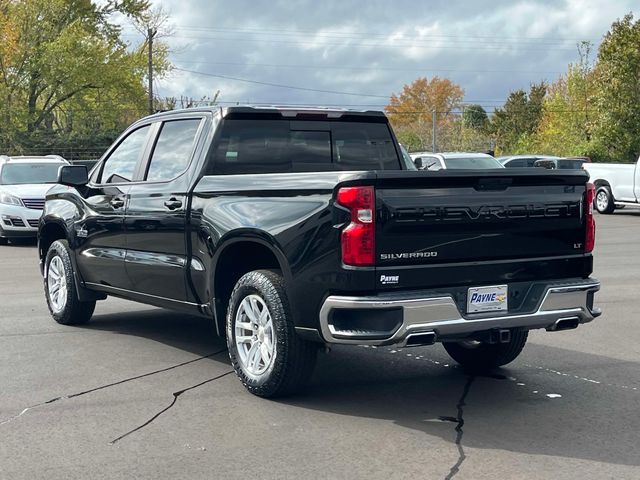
(422,319)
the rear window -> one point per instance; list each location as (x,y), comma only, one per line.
(275,146)
(570,164)
(471,162)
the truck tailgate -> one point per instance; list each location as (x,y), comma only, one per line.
(502,223)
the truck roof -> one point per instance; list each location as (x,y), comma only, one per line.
(284,110)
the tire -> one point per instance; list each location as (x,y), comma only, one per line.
(485,356)
(63,303)
(259,320)
(604,201)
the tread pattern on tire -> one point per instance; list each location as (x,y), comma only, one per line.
(75,312)
(487,356)
(295,357)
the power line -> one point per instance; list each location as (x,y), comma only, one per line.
(291,87)
(345,67)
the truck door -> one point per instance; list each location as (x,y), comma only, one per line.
(156,257)
(101,257)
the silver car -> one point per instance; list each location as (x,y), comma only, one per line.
(24,182)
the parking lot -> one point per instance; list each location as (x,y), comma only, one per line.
(142,392)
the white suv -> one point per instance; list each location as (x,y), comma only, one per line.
(24,182)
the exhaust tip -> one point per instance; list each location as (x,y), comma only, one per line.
(422,338)
(564,324)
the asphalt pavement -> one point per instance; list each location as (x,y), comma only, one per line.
(144,393)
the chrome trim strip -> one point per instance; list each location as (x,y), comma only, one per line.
(110,253)
(154,259)
(440,314)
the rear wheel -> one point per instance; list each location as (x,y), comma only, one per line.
(483,356)
(60,289)
(604,202)
(268,356)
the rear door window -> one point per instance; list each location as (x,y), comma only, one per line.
(277,146)
(172,151)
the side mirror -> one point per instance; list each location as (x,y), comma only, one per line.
(73,175)
(418,163)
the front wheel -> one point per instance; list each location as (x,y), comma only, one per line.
(604,200)
(484,356)
(60,289)
(268,356)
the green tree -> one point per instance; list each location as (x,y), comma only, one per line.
(616,133)
(69,73)
(475,117)
(519,118)
(565,127)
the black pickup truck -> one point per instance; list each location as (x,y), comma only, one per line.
(296,228)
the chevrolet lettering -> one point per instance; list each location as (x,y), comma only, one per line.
(486,212)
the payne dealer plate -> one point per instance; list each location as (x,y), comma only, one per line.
(487,299)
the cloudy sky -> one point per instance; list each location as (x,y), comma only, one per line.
(357,53)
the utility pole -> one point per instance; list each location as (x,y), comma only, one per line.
(151,33)
(434,131)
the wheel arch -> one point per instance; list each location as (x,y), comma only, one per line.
(49,232)
(600,182)
(238,255)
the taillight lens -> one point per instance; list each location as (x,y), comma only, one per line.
(590,235)
(359,237)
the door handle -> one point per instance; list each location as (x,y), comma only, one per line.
(117,202)
(173,203)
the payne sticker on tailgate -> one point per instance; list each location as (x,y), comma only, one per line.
(487,299)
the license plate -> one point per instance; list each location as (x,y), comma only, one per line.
(487,299)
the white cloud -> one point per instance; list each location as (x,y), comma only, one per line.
(375,47)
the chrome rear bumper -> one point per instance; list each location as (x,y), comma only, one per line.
(440,315)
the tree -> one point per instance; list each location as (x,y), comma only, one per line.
(475,117)
(411,112)
(566,123)
(617,127)
(68,73)
(519,118)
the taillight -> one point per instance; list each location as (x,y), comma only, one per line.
(590,234)
(359,237)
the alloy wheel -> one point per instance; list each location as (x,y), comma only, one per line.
(57,284)
(602,200)
(255,336)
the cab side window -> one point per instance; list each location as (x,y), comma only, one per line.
(121,164)
(172,151)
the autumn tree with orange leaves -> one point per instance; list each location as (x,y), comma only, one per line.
(411,112)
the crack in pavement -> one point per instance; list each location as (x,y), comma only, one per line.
(173,402)
(78,394)
(459,432)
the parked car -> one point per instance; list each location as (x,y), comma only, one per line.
(24,182)
(617,185)
(523,161)
(454,160)
(294,228)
